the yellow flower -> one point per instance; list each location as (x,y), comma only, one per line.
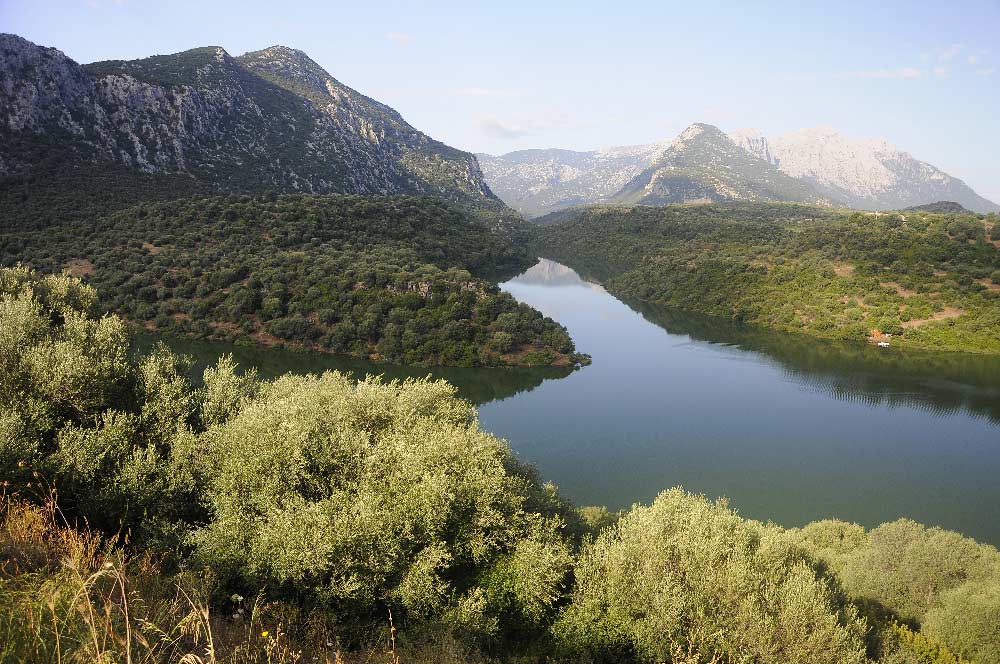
(264,633)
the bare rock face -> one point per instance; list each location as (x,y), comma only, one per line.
(812,165)
(272,119)
(705,165)
(862,173)
(701,164)
(537,182)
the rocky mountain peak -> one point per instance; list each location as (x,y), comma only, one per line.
(704,164)
(753,141)
(270,119)
(291,66)
(691,133)
(867,173)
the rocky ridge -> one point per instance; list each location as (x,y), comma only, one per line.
(863,173)
(268,120)
(537,182)
(705,165)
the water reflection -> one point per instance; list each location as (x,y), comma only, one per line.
(477,385)
(940,383)
(790,428)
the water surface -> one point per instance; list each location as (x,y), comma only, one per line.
(789,428)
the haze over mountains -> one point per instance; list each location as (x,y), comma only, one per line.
(274,120)
(268,120)
(812,165)
(863,173)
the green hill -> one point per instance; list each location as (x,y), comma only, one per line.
(405,279)
(929,280)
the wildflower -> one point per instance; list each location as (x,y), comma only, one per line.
(264,633)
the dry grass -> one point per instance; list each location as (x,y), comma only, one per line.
(988,283)
(70,595)
(944,314)
(842,269)
(80,267)
(899,288)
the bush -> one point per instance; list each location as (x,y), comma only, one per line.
(686,579)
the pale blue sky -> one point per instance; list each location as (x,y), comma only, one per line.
(501,76)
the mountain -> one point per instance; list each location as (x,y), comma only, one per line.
(271,120)
(704,165)
(701,164)
(537,182)
(864,173)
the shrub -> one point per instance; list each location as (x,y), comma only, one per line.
(687,579)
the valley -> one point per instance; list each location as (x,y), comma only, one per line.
(285,379)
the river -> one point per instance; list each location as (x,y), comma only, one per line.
(789,428)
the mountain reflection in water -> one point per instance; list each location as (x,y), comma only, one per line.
(789,427)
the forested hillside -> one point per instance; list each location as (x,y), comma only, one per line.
(405,279)
(314,519)
(929,280)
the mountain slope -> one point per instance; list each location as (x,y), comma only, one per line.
(865,173)
(269,120)
(703,164)
(537,182)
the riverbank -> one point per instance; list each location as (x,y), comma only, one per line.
(931,281)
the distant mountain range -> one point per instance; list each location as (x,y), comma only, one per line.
(704,164)
(862,173)
(202,121)
(268,120)
(536,182)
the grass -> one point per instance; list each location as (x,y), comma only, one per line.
(69,595)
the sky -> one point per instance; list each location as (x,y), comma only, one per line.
(501,76)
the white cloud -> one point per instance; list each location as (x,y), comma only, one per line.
(973,59)
(986,72)
(940,71)
(399,38)
(902,72)
(498,129)
(488,92)
(946,54)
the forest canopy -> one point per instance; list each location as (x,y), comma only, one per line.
(927,280)
(402,279)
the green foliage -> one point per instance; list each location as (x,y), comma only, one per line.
(355,497)
(967,618)
(343,501)
(907,566)
(359,495)
(686,579)
(909,647)
(946,583)
(924,278)
(398,279)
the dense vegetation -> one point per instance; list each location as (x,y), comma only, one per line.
(929,280)
(307,517)
(403,279)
